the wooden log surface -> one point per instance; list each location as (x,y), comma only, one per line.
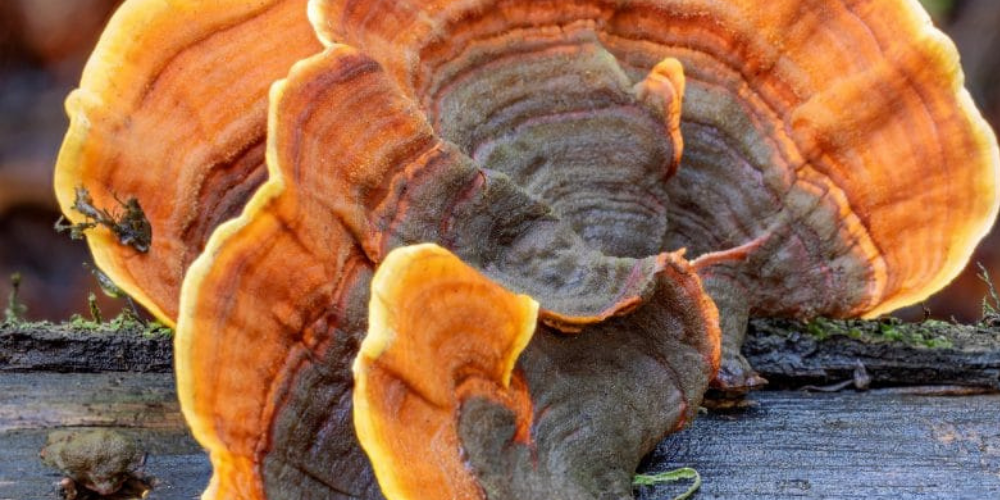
(784,445)
(883,443)
(788,353)
(792,353)
(870,445)
(141,405)
(89,348)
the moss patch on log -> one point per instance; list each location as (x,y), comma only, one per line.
(794,353)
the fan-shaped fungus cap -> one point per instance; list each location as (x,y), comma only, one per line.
(277,417)
(839,123)
(439,332)
(531,139)
(171,113)
(443,412)
(838,131)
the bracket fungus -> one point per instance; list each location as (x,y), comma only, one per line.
(817,157)
(827,129)
(443,411)
(398,184)
(171,113)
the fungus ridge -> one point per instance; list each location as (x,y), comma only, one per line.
(442,418)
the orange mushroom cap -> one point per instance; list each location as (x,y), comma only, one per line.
(439,332)
(443,412)
(836,125)
(171,112)
(836,131)
(536,140)
(291,273)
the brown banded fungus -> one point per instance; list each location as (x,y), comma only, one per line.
(440,333)
(170,115)
(264,351)
(816,157)
(443,411)
(835,132)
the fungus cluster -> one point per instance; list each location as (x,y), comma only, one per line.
(464,275)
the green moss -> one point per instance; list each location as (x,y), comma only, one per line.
(816,330)
(157,329)
(931,334)
(125,322)
(14,312)
(940,343)
(128,321)
(889,331)
(823,328)
(78,322)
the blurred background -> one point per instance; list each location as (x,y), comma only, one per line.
(43,47)
(44,44)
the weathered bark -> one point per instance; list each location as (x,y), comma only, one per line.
(46,347)
(792,354)
(875,445)
(781,445)
(787,353)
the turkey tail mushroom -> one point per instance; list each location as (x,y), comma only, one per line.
(170,116)
(830,163)
(837,130)
(443,411)
(439,333)
(343,193)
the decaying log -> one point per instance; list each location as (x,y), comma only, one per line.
(85,348)
(781,445)
(788,353)
(884,443)
(792,354)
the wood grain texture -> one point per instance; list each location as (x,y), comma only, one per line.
(143,406)
(845,445)
(791,353)
(788,445)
